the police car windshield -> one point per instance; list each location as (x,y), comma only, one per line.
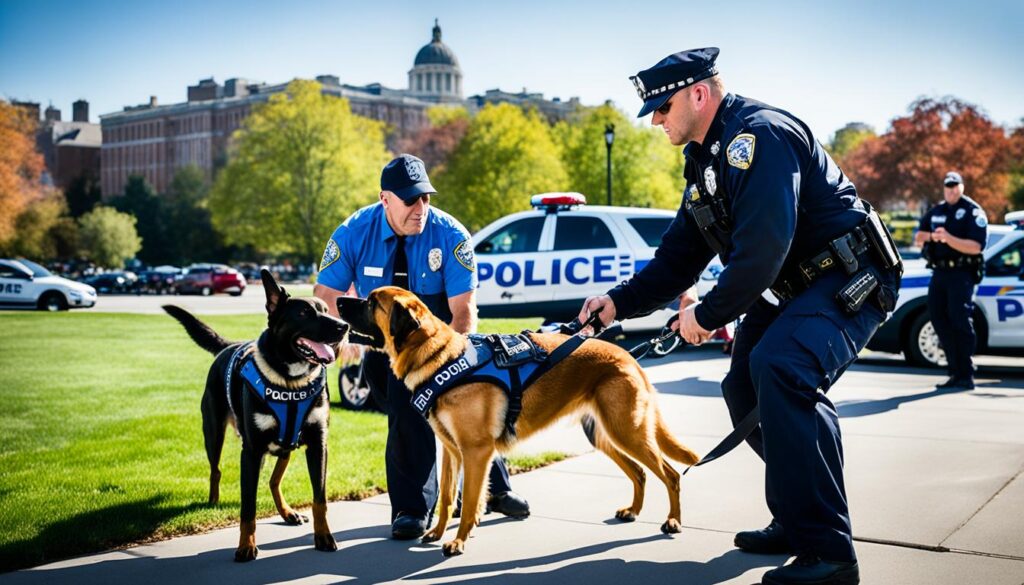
(651,229)
(37,270)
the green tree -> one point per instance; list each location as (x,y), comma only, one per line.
(647,171)
(40,230)
(299,165)
(849,137)
(83,194)
(108,237)
(141,201)
(193,238)
(506,156)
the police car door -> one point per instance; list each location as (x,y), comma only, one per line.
(586,259)
(508,264)
(1001,296)
(15,285)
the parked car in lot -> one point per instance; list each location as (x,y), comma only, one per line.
(998,303)
(113,282)
(159,280)
(547,261)
(208,279)
(25,284)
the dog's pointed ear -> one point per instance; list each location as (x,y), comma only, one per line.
(276,296)
(403,324)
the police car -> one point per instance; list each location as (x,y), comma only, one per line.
(25,284)
(547,261)
(998,303)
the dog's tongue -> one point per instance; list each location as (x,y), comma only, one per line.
(324,353)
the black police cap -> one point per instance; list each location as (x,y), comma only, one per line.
(679,70)
(406,176)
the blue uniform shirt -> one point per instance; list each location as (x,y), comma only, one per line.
(966,219)
(786,199)
(362,250)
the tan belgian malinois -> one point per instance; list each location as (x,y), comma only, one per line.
(598,378)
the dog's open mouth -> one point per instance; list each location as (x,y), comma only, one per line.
(315,351)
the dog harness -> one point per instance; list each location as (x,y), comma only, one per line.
(511,362)
(289,406)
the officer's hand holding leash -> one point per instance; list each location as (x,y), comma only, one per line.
(602,306)
(688,327)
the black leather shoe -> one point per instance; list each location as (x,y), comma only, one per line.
(964,383)
(767,541)
(408,527)
(510,504)
(810,570)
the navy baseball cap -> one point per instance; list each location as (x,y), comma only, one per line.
(679,70)
(406,176)
(952,179)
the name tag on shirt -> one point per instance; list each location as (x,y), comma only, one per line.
(938,219)
(377,271)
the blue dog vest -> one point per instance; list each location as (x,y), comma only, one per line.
(289,406)
(511,362)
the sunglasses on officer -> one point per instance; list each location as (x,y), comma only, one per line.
(410,202)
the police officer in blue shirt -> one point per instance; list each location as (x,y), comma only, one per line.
(952,235)
(403,241)
(763,194)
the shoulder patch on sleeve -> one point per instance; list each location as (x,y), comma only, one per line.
(981,220)
(331,254)
(740,152)
(464,254)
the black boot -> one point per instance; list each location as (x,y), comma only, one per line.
(510,504)
(408,526)
(767,541)
(954,382)
(810,570)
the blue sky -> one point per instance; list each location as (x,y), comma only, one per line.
(827,62)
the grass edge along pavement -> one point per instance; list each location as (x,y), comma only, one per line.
(102,447)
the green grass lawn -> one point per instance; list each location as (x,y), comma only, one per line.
(101,441)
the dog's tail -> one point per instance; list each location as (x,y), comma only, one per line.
(200,332)
(671,446)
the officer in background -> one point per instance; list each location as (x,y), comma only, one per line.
(952,235)
(764,195)
(405,242)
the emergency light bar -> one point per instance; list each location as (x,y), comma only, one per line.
(1016,219)
(557,200)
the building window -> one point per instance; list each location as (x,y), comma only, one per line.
(419,82)
(430,85)
(448,82)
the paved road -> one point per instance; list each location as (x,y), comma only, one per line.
(935,479)
(252,300)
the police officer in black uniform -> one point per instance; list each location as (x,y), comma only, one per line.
(952,235)
(763,194)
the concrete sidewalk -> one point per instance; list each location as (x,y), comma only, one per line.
(935,483)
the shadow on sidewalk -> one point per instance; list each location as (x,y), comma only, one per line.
(365,555)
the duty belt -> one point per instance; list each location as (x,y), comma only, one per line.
(847,251)
(961,262)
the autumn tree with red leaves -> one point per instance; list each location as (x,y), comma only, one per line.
(904,167)
(435,143)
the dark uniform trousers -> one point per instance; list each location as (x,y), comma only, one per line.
(411,452)
(950,306)
(785,359)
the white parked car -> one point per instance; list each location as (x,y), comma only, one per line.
(546,261)
(25,284)
(998,303)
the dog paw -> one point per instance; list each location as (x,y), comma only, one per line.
(625,515)
(433,535)
(294,518)
(453,548)
(244,554)
(671,526)
(325,542)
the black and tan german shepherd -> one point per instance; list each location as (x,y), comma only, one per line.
(301,338)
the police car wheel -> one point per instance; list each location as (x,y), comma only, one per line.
(53,301)
(922,346)
(354,391)
(206,291)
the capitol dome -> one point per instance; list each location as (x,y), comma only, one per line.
(435,74)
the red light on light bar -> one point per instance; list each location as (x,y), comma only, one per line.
(553,199)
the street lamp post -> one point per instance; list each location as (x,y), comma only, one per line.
(609,138)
